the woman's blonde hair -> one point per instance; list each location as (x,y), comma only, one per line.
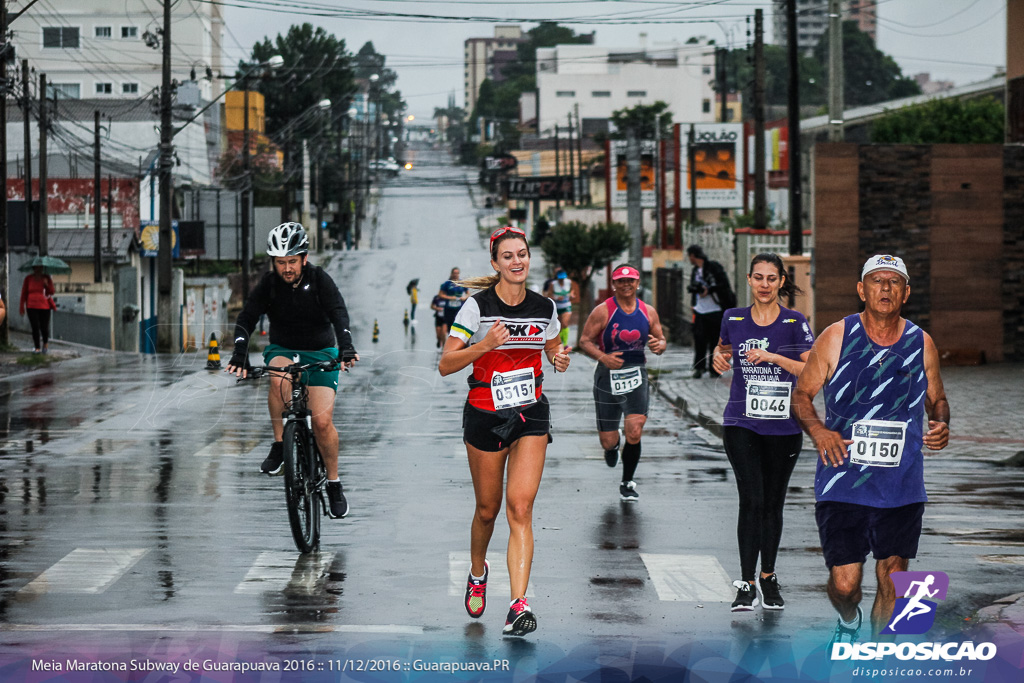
(488,281)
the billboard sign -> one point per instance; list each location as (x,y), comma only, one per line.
(548,187)
(150,238)
(717,164)
(648,198)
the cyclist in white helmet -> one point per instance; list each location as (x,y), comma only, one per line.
(308,318)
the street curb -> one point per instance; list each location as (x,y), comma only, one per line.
(694,413)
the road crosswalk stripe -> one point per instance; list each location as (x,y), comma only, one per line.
(223,628)
(498,585)
(688,578)
(228,446)
(85,570)
(277,571)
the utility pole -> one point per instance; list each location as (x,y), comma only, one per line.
(723,88)
(110,213)
(796,232)
(246,188)
(164,260)
(691,162)
(558,171)
(4,276)
(584,180)
(835,71)
(760,193)
(634,210)
(572,165)
(43,235)
(26,109)
(97,271)
(315,189)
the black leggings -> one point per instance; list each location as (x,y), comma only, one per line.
(762,465)
(39,318)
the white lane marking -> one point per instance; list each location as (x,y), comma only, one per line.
(85,570)
(498,585)
(228,446)
(224,628)
(688,578)
(276,571)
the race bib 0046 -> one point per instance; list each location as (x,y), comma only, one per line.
(768,400)
(625,380)
(878,443)
(513,388)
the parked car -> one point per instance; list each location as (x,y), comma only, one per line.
(385,166)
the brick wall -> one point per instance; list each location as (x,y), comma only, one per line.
(1013,252)
(954,213)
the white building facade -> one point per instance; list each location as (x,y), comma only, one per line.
(601,80)
(109,50)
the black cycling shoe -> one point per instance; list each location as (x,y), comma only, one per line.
(273,462)
(336,503)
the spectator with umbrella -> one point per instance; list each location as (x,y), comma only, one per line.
(37,297)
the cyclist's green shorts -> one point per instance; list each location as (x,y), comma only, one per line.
(314,378)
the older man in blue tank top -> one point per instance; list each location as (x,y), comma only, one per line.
(884,401)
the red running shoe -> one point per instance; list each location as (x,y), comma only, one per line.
(476,593)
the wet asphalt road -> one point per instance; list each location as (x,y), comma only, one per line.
(134,518)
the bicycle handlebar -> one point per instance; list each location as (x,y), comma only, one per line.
(296,368)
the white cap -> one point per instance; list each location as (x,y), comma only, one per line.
(885,262)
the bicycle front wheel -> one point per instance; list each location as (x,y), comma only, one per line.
(299,485)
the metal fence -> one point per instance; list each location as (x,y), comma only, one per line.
(734,252)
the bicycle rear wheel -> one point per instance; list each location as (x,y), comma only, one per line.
(299,484)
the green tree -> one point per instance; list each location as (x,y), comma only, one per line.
(645,119)
(584,250)
(976,121)
(869,75)
(316,66)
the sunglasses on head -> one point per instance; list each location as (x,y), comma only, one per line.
(507,229)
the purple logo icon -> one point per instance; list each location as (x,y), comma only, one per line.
(914,612)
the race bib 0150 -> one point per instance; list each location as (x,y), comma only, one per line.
(878,443)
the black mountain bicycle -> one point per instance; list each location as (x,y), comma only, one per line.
(304,473)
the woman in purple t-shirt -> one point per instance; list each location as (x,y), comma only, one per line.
(767,346)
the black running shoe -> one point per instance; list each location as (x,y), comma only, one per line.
(520,619)
(627,492)
(746,597)
(272,463)
(771,596)
(336,503)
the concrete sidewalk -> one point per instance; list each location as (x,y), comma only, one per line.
(985,404)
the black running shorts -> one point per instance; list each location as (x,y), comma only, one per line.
(611,408)
(848,531)
(495,431)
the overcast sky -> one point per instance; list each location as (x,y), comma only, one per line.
(957,40)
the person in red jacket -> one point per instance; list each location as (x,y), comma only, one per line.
(37,298)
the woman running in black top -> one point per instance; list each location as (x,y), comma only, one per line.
(502,332)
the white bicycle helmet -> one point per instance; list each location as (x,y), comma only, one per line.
(287,239)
